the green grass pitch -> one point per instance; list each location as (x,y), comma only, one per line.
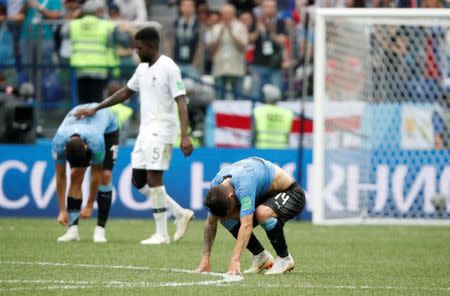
(344,260)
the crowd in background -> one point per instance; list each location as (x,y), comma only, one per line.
(235,46)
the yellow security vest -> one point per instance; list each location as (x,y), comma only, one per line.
(272,127)
(90,37)
(122,112)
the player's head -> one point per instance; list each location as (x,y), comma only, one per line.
(147,44)
(77,152)
(217,201)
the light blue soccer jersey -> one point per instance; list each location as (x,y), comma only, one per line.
(91,130)
(251,179)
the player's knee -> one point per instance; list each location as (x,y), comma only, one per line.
(155,178)
(263,213)
(139,178)
(106,177)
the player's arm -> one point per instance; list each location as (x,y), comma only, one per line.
(61,183)
(118,97)
(96,176)
(209,234)
(243,237)
(185,144)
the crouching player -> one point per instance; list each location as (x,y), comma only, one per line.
(89,141)
(250,192)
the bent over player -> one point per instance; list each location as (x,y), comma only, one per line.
(87,142)
(250,192)
(158,81)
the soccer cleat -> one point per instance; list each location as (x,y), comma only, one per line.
(262,261)
(99,235)
(182,223)
(156,239)
(281,265)
(71,235)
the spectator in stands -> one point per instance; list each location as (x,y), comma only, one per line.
(272,123)
(125,50)
(7,59)
(229,42)
(441,125)
(132,10)
(433,3)
(93,40)
(36,11)
(213,19)
(269,38)
(72,10)
(187,38)
(15,15)
(248,19)
(243,5)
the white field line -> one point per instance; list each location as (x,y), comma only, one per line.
(224,278)
(220,282)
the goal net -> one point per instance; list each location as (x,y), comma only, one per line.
(381,116)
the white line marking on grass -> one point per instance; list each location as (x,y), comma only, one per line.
(223,281)
(224,278)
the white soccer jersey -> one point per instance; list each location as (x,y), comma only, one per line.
(158,86)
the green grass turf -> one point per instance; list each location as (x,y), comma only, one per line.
(344,260)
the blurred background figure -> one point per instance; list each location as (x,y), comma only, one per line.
(132,10)
(7,55)
(94,51)
(121,111)
(229,42)
(187,38)
(441,124)
(269,38)
(35,11)
(272,123)
(125,49)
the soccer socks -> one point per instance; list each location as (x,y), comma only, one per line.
(275,233)
(104,197)
(254,246)
(173,207)
(73,208)
(158,196)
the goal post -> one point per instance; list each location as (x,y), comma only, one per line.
(380,89)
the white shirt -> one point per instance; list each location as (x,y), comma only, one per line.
(132,10)
(158,86)
(229,59)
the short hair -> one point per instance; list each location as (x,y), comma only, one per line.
(148,34)
(76,152)
(217,201)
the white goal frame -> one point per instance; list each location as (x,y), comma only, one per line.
(318,192)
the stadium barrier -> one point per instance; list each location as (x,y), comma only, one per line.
(404,183)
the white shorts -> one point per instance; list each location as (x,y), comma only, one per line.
(151,155)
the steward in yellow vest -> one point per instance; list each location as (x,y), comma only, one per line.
(94,51)
(272,124)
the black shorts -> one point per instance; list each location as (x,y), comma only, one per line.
(111,149)
(288,203)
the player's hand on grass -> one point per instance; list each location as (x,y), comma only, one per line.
(235,268)
(80,113)
(63,218)
(204,266)
(186,145)
(86,212)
